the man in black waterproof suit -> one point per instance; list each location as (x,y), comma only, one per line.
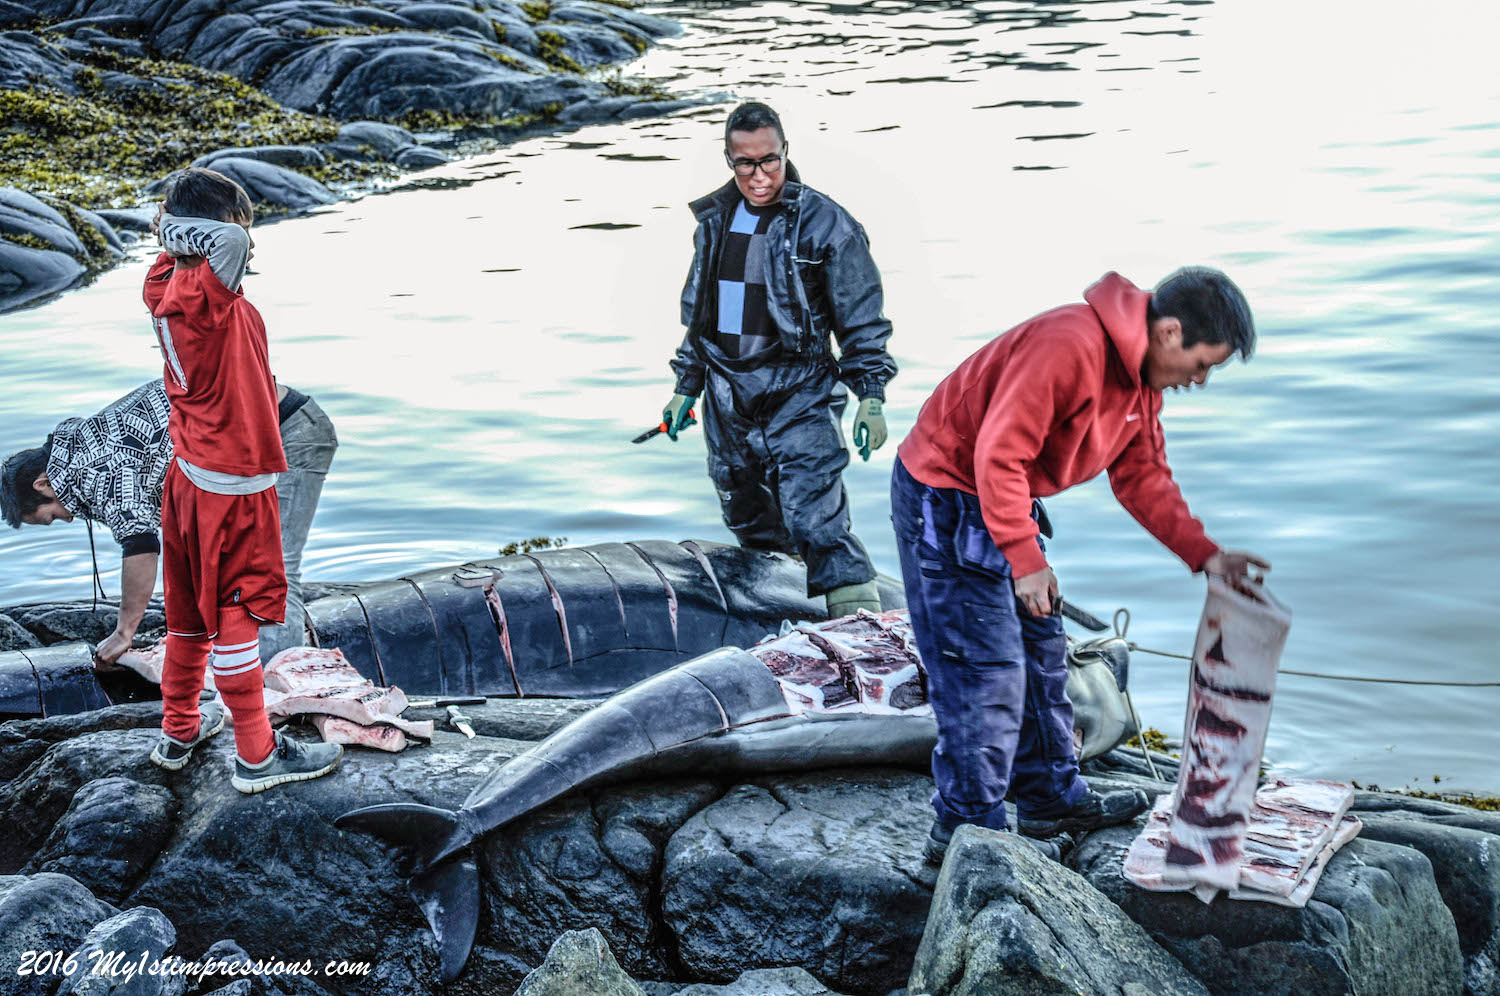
(777,268)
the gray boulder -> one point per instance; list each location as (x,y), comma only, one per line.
(1466,865)
(1007,922)
(110,834)
(819,871)
(239,987)
(14,636)
(32,804)
(274,186)
(758,982)
(290,156)
(124,940)
(588,861)
(44,912)
(579,962)
(136,220)
(419,157)
(24,217)
(28,275)
(385,139)
(59,622)
(1375,924)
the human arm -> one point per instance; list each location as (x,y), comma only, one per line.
(856,305)
(137,582)
(1044,380)
(225,245)
(1143,484)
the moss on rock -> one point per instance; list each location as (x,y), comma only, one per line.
(98,148)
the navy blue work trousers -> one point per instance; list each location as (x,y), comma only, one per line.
(996,675)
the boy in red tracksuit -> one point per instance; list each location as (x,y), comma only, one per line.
(1055,401)
(221,533)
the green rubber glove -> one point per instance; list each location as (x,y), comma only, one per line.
(869,426)
(677,414)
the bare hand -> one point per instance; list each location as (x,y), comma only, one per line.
(161,209)
(1037,591)
(109,650)
(1234,567)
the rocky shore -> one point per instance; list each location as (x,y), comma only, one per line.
(299,100)
(781,884)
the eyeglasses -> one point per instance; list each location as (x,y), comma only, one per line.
(770,165)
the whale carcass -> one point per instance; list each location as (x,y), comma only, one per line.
(578,622)
(846,691)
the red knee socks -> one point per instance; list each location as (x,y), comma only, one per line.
(237,675)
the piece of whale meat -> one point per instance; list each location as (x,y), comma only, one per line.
(314,681)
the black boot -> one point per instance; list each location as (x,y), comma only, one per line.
(1092,812)
(939,836)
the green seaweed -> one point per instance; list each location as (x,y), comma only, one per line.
(535,543)
(536,11)
(550,48)
(97,148)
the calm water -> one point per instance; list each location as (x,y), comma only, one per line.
(488,349)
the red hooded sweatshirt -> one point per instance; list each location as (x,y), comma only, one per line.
(1050,404)
(218,372)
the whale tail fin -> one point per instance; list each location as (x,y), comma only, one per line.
(446,888)
(448,894)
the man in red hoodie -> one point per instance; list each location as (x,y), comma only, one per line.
(222,568)
(1052,403)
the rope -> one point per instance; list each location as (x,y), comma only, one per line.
(1340,677)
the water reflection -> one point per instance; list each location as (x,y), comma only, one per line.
(1339,164)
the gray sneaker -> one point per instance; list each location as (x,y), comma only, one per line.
(290,761)
(174,754)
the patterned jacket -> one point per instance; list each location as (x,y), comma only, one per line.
(110,467)
(820,281)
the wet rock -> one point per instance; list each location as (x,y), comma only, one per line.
(819,871)
(239,987)
(14,636)
(585,862)
(579,962)
(759,982)
(1466,865)
(42,913)
(275,186)
(273,865)
(1375,923)
(1426,810)
(385,139)
(136,220)
(60,622)
(25,58)
(419,157)
(109,836)
(32,803)
(129,936)
(28,275)
(1005,920)
(290,156)
(24,217)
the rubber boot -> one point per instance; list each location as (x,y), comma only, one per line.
(850,598)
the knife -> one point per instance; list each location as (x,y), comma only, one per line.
(460,722)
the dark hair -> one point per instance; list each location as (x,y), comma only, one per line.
(196,192)
(1209,306)
(18,493)
(753,116)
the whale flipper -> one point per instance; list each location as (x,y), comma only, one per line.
(449,897)
(428,833)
